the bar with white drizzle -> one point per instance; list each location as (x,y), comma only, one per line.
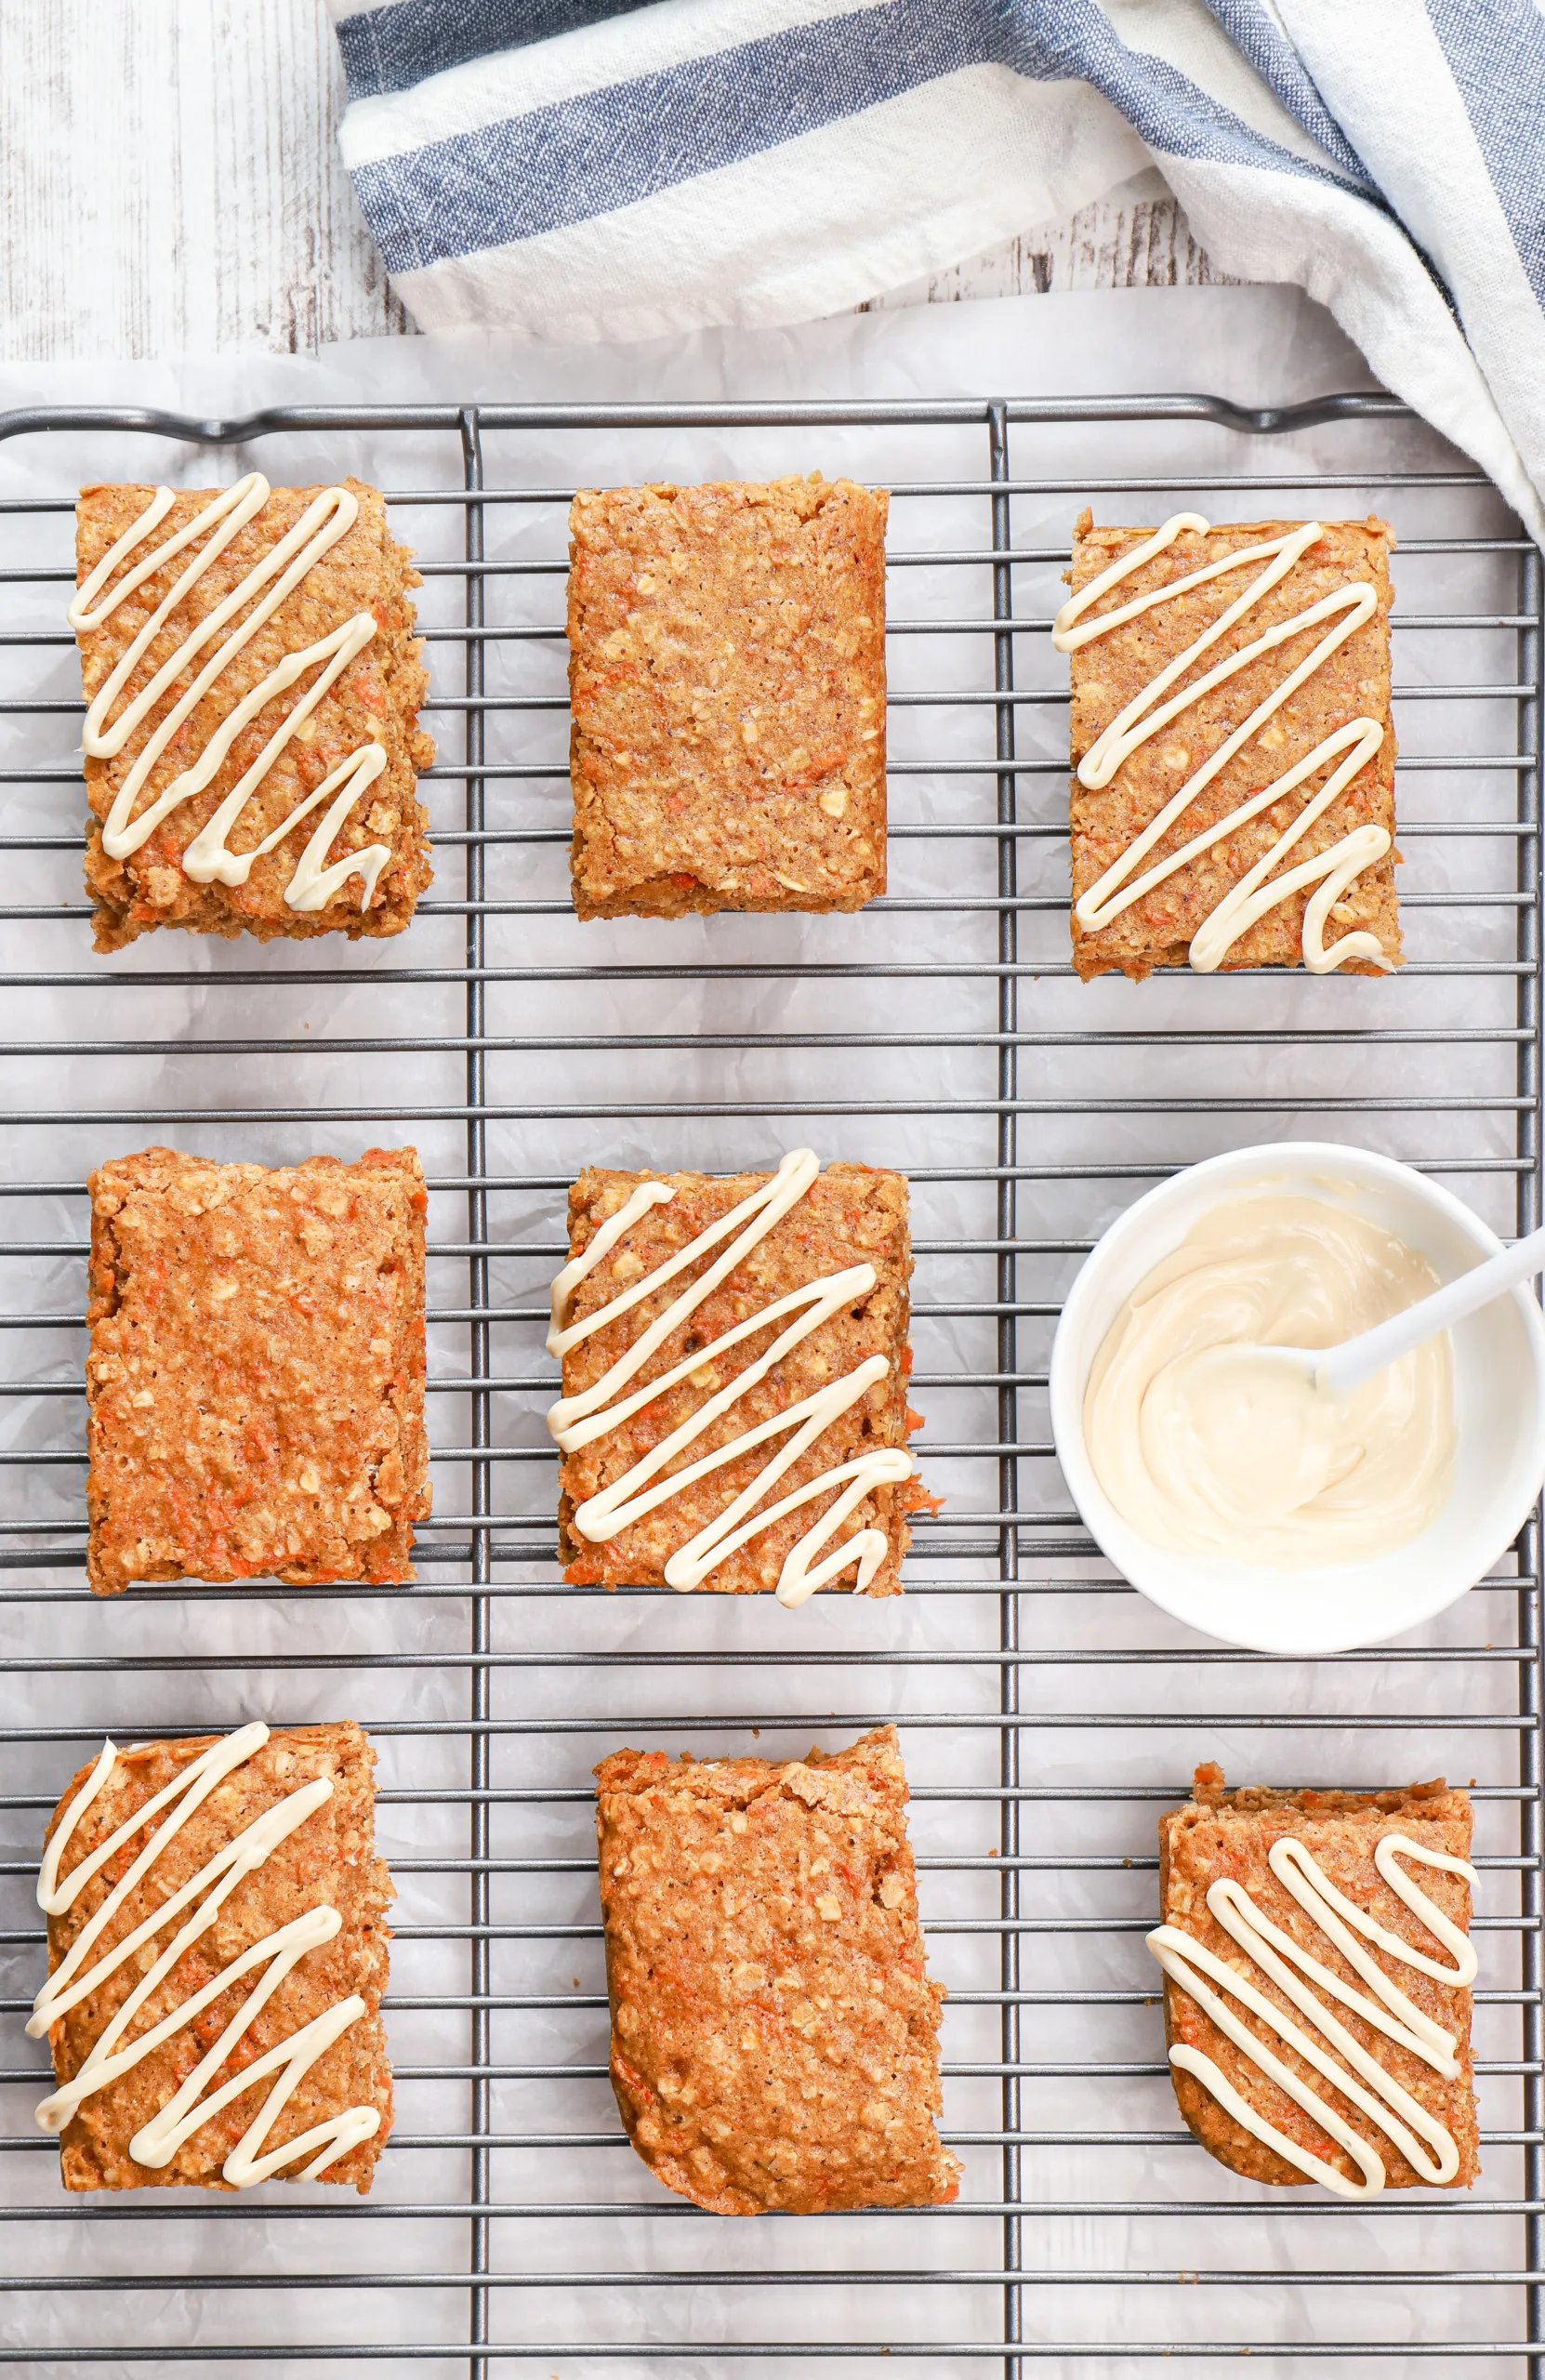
(1311,785)
(178,696)
(650,1482)
(1351,2099)
(156,1947)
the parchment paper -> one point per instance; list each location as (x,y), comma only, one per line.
(573,1687)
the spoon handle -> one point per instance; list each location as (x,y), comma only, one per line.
(1345,1368)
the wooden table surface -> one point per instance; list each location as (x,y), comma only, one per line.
(174,187)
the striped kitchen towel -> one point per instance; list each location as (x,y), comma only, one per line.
(586,170)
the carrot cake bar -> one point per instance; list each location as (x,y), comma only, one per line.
(774,2034)
(735,1356)
(217,1956)
(1336,2049)
(727,669)
(255,1370)
(253,683)
(1233,787)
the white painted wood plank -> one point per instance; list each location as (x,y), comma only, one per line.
(174,183)
(173,186)
(1137,238)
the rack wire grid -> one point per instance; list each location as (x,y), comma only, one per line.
(1047,1713)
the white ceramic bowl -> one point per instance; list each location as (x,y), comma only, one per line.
(1498,1402)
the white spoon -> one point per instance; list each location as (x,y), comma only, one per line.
(1334,1372)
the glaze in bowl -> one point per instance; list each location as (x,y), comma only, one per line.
(1499,1412)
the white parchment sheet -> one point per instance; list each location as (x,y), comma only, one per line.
(1109,1738)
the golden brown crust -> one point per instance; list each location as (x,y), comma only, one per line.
(1108,672)
(851,1215)
(727,668)
(1221,1834)
(255,1369)
(377,700)
(774,2035)
(330,1858)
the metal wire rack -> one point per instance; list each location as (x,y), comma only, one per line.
(1047,1715)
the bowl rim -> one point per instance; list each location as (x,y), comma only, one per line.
(1115,1537)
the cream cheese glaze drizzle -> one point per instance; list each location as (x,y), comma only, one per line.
(577,1420)
(1336,2054)
(112,2056)
(208,857)
(1349,746)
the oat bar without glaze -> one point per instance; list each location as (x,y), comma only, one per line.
(255,1369)
(774,2034)
(727,669)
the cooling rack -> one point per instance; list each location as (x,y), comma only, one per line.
(1047,1715)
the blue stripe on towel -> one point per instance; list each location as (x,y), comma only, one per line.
(392,47)
(1258,38)
(1506,110)
(608,149)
